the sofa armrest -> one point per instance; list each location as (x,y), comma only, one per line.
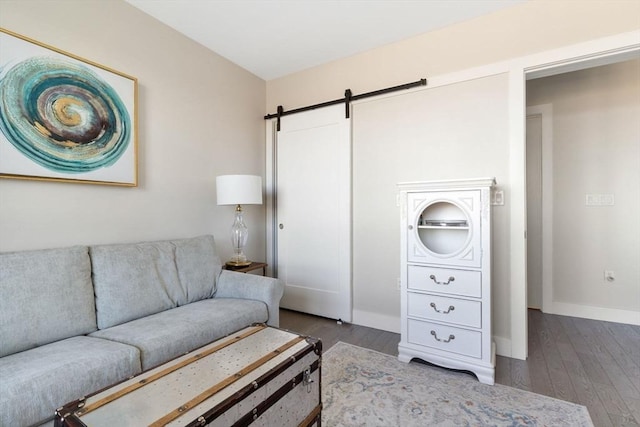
(250,286)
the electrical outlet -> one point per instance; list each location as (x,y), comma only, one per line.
(609,276)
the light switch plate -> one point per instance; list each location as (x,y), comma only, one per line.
(599,200)
(497,198)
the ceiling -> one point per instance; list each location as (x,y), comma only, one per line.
(273,38)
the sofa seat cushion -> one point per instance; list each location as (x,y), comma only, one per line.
(34,383)
(45,296)
(167,335)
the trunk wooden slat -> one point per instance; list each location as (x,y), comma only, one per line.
(259,375)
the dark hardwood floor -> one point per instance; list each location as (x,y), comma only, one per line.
(593,363)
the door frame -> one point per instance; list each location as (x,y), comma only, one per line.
(594,53)
(271,197)
(545,111)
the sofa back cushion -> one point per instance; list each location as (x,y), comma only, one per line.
(133,281)
(45,296)
(198,268)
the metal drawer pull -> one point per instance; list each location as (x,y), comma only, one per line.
(451,279)
(451,337)
(433,305)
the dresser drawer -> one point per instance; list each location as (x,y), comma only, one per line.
(445,309)
(444,280)
(445,338)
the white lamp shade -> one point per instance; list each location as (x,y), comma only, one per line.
(239,189)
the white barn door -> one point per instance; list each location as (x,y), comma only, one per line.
(313,212)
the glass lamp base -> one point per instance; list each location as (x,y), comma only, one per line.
(238,263)
(239,235)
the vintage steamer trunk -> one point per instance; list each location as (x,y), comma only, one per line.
(260,375)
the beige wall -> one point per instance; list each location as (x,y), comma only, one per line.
(199,116)
(534,26)
(596,150)
(525,29)
(449,132)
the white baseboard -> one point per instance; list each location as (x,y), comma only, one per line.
(597,313)
(503,346)
(377,321)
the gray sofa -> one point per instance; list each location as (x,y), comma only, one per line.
(75,320)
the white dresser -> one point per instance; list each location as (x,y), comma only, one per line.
(446,275)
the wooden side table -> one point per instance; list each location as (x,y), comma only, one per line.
(247,268)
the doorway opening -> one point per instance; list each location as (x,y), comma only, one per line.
(582,158)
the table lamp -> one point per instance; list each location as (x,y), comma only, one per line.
(239,190)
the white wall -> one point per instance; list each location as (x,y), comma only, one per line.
(199,116)
(596,150)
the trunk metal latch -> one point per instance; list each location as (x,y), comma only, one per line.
(306,379)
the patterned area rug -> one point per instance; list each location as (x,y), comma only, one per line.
(361,387)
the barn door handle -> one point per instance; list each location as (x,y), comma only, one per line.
(451,279)
(433,305)
(451,337)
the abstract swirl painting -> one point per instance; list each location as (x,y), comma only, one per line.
(64,118)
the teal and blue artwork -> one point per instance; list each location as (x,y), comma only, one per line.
(64,118)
